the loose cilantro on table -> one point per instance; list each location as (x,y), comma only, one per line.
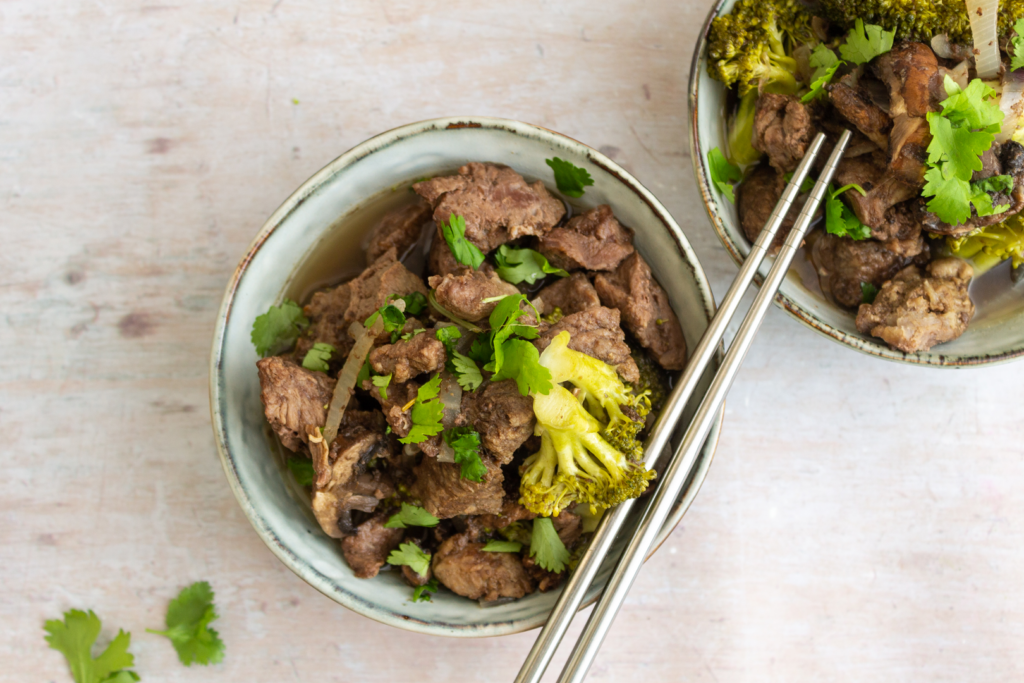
(723,174)
(465,442)
(188,619)
(427,412)
(382,382)
(410,555)
(546,547)
(422,593)
(868,292)
(277,329)
(302,470)
(1018,46)
(824,62)
(496,546)
(571,180)
(865,42)
(524,265)
(74,637)
(317,357)
(466,372)
(464,251)
(411,515)
(840,219)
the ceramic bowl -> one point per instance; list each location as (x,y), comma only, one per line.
(995,335)
(314,217)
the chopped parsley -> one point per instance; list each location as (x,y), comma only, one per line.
(546,548)
(571,180)
(1018,46)
(524,265)
(840,219)
(381,382)
(497,546)
(864,42)
(411,515)
(466,444)
(427,412)
(278,329)
(723,174)
(302,470)
(422,593)
(464,251)
(868,292)
(317,357)
(188,618)
(410,555)
(74,637)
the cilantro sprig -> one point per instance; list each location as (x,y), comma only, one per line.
(840,219)
(188,620)
(278,329)
(317,357)
(571,180)
(516,358)
(524,265)
(414,302)
(723,174)
(864,42)
(824,62)
(868,292)
(464,251)
(427,412)
(423,593)
(465,442)
(74,637)
(411,515)
(546,547)
(467,372)
(498,546)
(381,382)
(1018,46)
(410,555)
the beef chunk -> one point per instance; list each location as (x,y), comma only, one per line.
(371,289)
(884,191)
(444,493)
(914,312)
(327,323)
(593,240)
(343,482)
(293,397)
(495,201)
(414,579)
(568,526)
(503,417)
(568,294)
(545,580)
(367,550)
(440,260)
(403,360)
(400,228)
(463,294)
(595,332)
(466,570)
(855,106)
(645,309)
(782,129)
(756,198)
(511,512)
(399,395)
(843,264)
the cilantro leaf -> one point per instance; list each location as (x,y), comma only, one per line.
(394,319)
(996,183)
(467,373)
(521,362)
(302,470)
(482,350)
(570,179)
(188,618)
(411,515)
(971,106)
(868,292)
(464,251)
(808,184)
(950,197)
(278,329)
(317,357)
(957,149)
(1018,46)
(503,325)
(409,335)
(75,636)
(414,302)
(382,382)
(825,64)
(466,444)
(723,174)
(840,219)
(426,413)
(422,593)
(523,265)
(818,84)
(865,42)
(982,202)
(448,336)
(496,546)
(411,556)
(546,547)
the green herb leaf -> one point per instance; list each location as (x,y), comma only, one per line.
(411,515)
(841,220)
(467,373)
(482,349)
(868,292)
(464,251)
(422,593)
(414,303)
(973,106)
(466,444)
(806,186)
(865,42)
(409,335)
(74,637)
(1018,46)
(723,174)
(546,547)
(426,413)
(524,265)
(950,197)
(302,470)
(317,357)
(410,555)
(570,179)
(496,546)
(996,183)
(364,373)
(825,63)
(382,382)
(521,362)
(188,618)
(278,329)
(394,319)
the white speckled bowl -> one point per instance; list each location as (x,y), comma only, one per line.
(995,335)
(310,217)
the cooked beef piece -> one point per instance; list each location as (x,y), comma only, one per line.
(343,482)
(399,228)
(463,294)
(293,397)
(914,312)
(503,417)
(414,579)
(367,550)
(545,580)
(466,570)
(593,240)
(595,332)
(372,288)
(568,526)
(327,324)
(403,360)
(370,420)
(399,395)
(991,164)
(495,201)
(903,222)
(756,198)
(568,294)
(645,309)
(855,106)
(883,190)
(511,512)
(843,264)
(782,129)
(444,493)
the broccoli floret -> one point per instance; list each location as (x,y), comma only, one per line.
(915,20)
(652,379)
(989,246)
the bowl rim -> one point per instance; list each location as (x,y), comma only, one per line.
(739,251)
(264,529)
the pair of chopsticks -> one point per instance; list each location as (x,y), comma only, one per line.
(660,504)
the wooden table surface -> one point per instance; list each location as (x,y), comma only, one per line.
(863,521)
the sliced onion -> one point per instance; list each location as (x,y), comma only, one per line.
(450,396)
(364,503)
(941,46)
(349,372)
(1011,102)
(983,15)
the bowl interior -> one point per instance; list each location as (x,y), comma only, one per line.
(997,331)
(313,222)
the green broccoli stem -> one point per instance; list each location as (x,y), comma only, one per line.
(741,131)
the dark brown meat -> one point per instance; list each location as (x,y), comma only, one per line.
(327,323)
(568,526)
(440,260)
(503,417)
(466,570)
(399,228)
(495,201)
(372,288)
(645,309)
(593,240)
(883,189)
(463,294)
(511,512)
(367,550)
(414,579)
(843,264)
(568,294)
(343,482)
(756,198)
(856,106)
(293,397)
(544,579)
(444,493)
(399,395)
(595,332)
(782,129)
(914,312)
(404,360)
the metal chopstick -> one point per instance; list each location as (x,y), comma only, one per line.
(658,507)
(580,580)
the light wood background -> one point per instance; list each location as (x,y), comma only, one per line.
(863,521)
